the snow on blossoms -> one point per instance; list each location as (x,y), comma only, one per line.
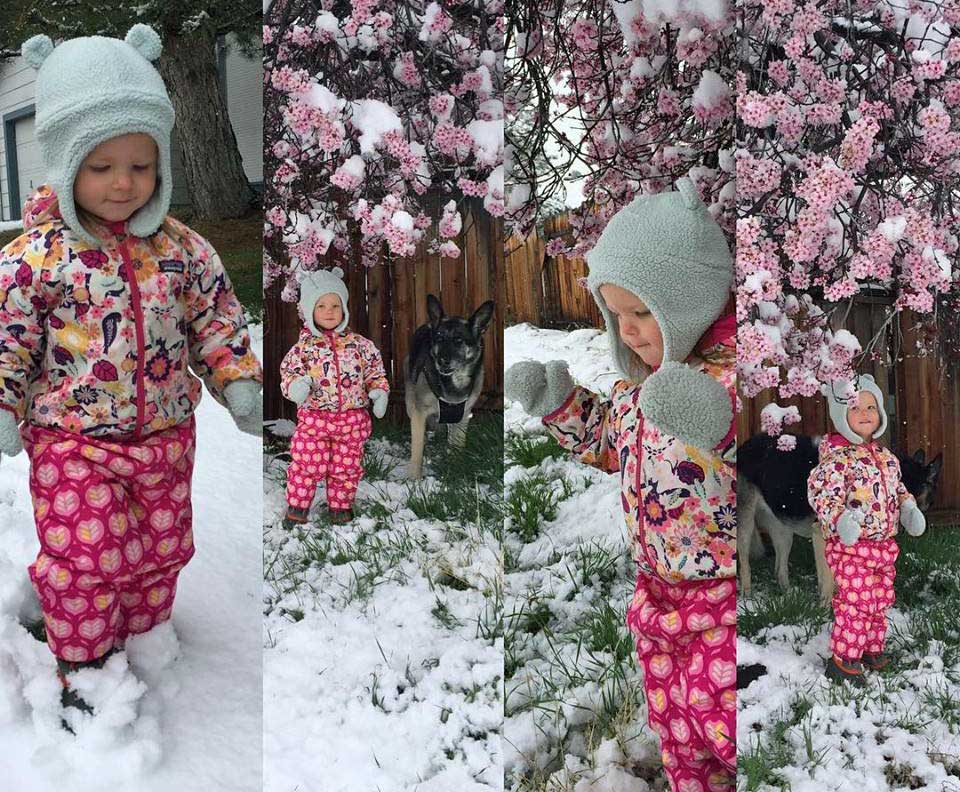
(640,94)
(847,164)
(373,110)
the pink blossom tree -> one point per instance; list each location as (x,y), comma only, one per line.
(848,180)
(372,110)
(622,96)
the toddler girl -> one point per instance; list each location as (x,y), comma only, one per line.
(106,303)
(661,274)
(332,374)
(859,499)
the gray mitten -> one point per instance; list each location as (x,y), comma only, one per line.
(245,405)
(912,518)
(848,526)
(540,389)
(687,404)
(10,444)
(378,398)
(299,390)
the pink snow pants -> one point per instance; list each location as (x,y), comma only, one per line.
(864,574)
(327,446)
(115,526)
(686,643)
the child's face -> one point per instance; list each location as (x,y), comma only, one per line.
(328,312)
(117,177)
(638,329)
(864,416)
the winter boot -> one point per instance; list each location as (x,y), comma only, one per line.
(846,670)
(68,696)
(876,662)
(295,517)
(341,516)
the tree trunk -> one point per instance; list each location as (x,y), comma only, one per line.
(215,179)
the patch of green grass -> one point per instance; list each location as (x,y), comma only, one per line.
(531,502)
(531,450)
(772,607)
(942,703)
(451,501)
(376,466)
(442,613)
(759,760)
(603,626)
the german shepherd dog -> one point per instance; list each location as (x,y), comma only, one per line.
(444,376)
(772,491)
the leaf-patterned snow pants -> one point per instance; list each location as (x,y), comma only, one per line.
(864,574)
(686,642)
(327,446)
(114,520)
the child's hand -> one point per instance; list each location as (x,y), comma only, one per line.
(300,389)
(540,389)
(378,398)
(687,404)
(10,444)
(245,405)
(912,518)
(848,526)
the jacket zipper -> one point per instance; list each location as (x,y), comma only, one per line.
(883,484)
(642,527)
(138,324)
(336,366)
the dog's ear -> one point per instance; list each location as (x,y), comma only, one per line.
(481,318)
(434,310)
(920,457)
(933,470)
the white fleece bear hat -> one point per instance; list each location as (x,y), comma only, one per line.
(313,285)
(92,89)
(838,406)
(666,249)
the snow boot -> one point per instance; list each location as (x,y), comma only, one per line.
(68,696)
(876,662)
(295,517)
(845,670)
(340,516)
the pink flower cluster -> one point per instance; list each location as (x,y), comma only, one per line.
(370,148)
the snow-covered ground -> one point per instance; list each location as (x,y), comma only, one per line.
(196,683)
(383,658)
(575,715)
(10,225)
(797,731)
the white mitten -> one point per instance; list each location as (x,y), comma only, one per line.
(10,444)
(849,526)
(912,518)
(299,390)
(378,399)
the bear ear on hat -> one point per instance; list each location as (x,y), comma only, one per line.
(688,191)
(337,271)
(36,49)
(145,40)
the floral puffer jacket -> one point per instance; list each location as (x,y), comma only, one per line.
(680,503)
(100,340)
(865,476)
(344,367)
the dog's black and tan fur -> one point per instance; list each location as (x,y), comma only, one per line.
(444,375)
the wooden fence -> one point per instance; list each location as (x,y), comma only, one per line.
(389,301)
(922,398)
(545,291)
